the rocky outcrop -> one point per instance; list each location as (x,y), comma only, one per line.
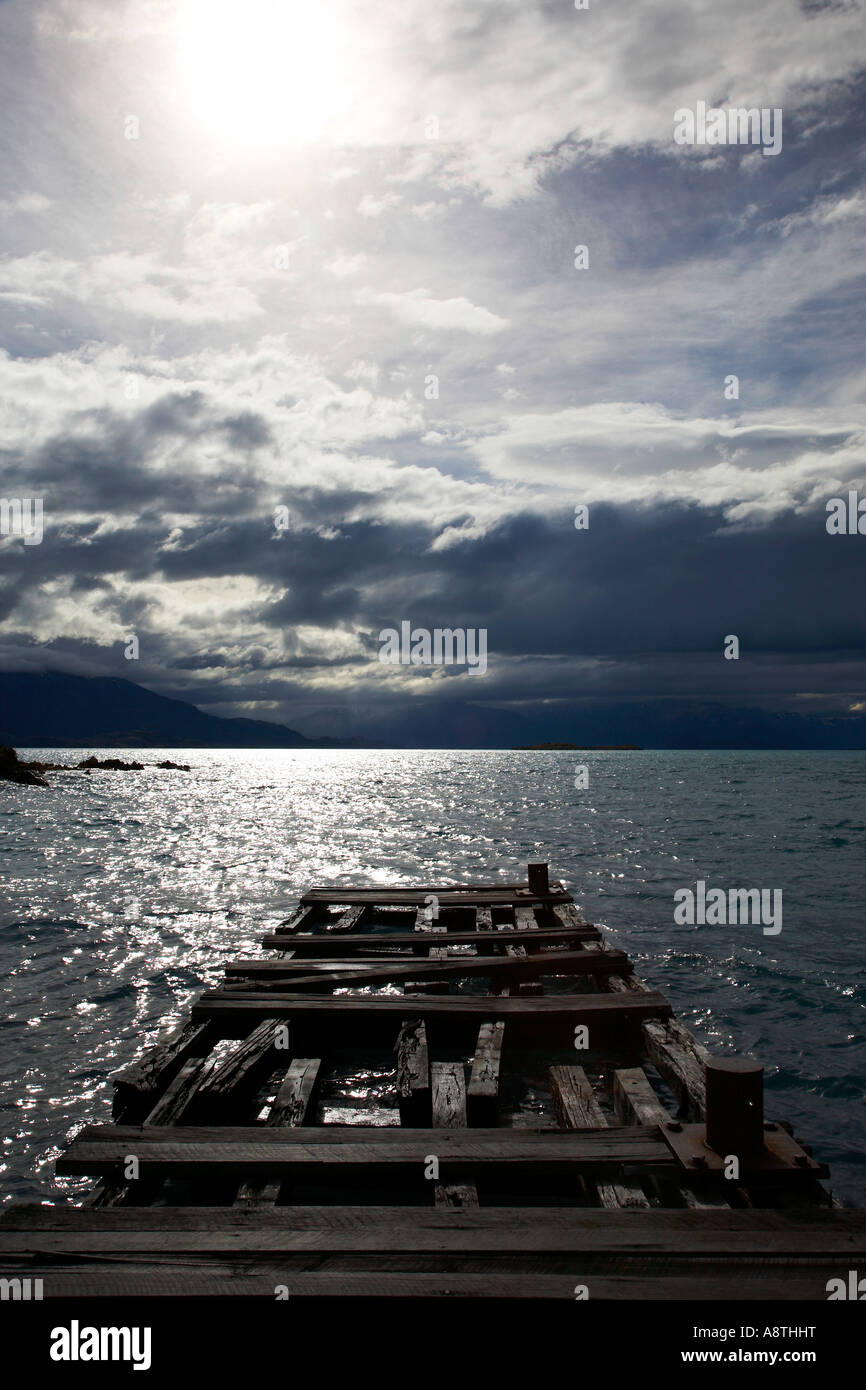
(11,770)
(109,764)
(30,774)
(118,765)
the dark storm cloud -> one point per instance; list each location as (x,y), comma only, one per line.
(116,463)
(671,579)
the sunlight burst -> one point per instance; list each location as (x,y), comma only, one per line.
(262,72)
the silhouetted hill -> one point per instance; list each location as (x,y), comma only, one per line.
(54,710)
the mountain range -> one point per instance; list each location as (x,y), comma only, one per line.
(54,710)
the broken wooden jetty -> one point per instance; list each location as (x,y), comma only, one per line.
(538,1125)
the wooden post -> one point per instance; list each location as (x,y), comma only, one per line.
(735,1105)
(538,880)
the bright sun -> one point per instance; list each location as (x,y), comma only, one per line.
(262,72)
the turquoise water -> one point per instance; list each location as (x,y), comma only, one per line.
(124,894)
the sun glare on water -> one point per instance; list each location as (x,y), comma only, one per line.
(262,72)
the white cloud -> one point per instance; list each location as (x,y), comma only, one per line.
(371,206)
(27,203)
(762,463)
(134,284)
(419,306)
(345,265)
(363,371)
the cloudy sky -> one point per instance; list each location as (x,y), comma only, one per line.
(259,254)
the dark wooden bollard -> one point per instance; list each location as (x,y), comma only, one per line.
(735,1106)
(537,878)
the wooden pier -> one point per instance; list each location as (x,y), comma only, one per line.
(541,1128)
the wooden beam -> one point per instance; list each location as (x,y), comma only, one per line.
(302,919)
(413,1073)
(577,1108)
(449,1112)
(552,1018)
(179,1096)
(636,1102)
(331,944)
(274,974)
(448,1085)
(670,1231)
(483,1093)
(137,1086)
(293,1105)
(231,1080)
(348,921)
(258,1152)
(504,896)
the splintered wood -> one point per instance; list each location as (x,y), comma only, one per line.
(434,1092)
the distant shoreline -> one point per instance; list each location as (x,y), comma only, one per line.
(580,747)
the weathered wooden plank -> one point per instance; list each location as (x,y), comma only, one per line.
(247,1066)
(325,945)
(448,1086)
(261,1153)
(634,1099)
(426,923)
(172,1106)
(577,1108)
(179,1096)
(413,1073)
(567,914)
(456,1196)
(482,1096)
(105,1195)
(680,1060)
(630,1137)
(349,921)
(636,1102)
(137,1086)
(302,974)
(676,1055)
(504,896)
(265,1235)
(524,919)
(449,1112)
(293,1105)
(818,1231)
(553,1017)
(302,919)
(573,1099)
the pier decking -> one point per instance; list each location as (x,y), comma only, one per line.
(541,1127)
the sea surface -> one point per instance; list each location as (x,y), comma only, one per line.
(123,894)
